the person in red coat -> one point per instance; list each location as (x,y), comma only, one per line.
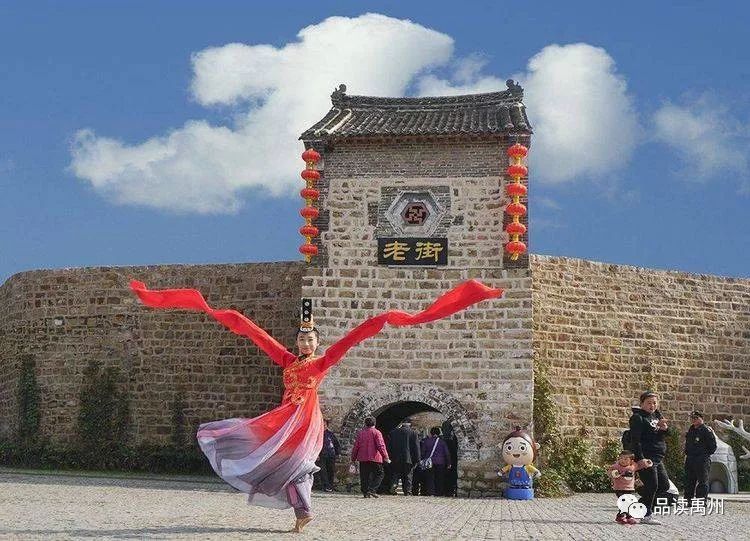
(369,450)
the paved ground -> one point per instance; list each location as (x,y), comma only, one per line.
(68,507)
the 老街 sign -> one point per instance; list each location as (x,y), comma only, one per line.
(413,251)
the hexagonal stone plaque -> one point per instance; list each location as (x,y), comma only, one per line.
(415,214)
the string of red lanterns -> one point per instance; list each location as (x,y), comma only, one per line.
(516,170)
(309,194)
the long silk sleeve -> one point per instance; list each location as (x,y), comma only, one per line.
(453,301)
(191,299)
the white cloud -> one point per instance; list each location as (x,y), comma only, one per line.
(583,119)
(275,93)
(548,202)
(466,78)
(709,142)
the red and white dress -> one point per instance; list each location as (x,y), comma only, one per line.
(268,456)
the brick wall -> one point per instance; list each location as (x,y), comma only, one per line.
(69,317)
(475,169)
(607,330)
(604,329)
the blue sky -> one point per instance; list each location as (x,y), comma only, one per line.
(94,94)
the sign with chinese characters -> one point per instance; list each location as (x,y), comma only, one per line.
(413,251)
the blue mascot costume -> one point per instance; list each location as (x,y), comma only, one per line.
(519,453)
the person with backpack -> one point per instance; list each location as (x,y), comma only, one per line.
(436,460)
(645,438)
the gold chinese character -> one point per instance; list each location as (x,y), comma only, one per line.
(427,250)
(395,250)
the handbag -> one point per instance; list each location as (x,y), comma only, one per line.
(352,468)
(426,463)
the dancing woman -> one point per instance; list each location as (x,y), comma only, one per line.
(272,457)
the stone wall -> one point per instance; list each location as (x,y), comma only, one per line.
(608,331)
(474,367)
(67,318)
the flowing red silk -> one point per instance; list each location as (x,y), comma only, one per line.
(455,300)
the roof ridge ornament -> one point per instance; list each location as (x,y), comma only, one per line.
(338,94)
(514,88)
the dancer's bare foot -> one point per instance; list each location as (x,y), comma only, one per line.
(301,523)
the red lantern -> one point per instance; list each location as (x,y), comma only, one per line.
(516,209)
(309,193)
(516,190)
(310,155)
(515,247)
(517,151)
(309,231)
(310,174)
(309,212)
(517,170)
(516,228)
(308,249)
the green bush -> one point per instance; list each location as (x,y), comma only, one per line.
(545,409)
(589,479)
(610,452)
(165,459)
(674,460)
(28,401)
(149,458)
(8,452)
(572,457)
(103,417)
(101,440)
(567,462)
(551,484)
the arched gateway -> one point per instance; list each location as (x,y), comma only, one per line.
(409,399)
(411,202)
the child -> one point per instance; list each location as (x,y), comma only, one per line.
(622,473)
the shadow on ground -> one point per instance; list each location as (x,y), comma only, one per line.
(140,533)
(86,480)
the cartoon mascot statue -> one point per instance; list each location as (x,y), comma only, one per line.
(519,453)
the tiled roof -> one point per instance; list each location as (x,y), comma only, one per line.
(472,114)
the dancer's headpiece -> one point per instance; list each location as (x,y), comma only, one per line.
(306,323)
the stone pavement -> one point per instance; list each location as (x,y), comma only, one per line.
(76,507)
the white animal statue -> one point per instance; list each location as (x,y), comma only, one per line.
(739,429)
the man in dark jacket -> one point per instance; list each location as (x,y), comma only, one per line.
(700,444)
(647,431)
(403,448)
(327,458)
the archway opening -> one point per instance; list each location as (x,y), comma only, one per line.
(423,417)
(393,414)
